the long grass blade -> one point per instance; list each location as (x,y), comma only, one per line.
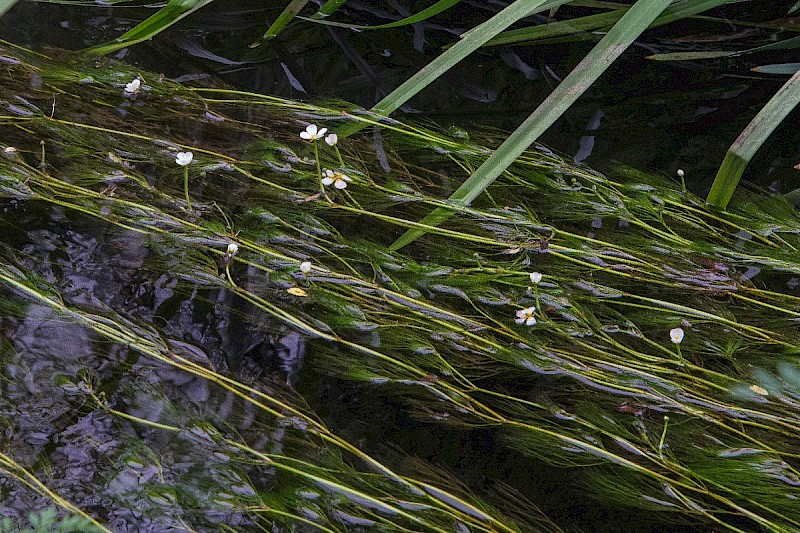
(425,14)
(632,24)
(291,11)
(471,41)
(601,22)
(5,5)
(165,17)
(750,140)
(786,44)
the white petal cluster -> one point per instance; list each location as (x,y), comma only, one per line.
(337,179)
(676,335)
(313,132)
(526,316)
(133,87)
(184,158)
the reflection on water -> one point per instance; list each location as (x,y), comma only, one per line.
(131,476)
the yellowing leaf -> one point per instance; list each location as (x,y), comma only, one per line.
(297,291)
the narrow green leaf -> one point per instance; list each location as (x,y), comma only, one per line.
(786,44)
(533,34)
(425,14)
(5,5)
(165,17)
(692,56)
(291,11)
(779,68)
(593,24)
(470,41)
(329,8)
(750,140)
(632,24)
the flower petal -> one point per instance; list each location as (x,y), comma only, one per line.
(676,335)
(184,158)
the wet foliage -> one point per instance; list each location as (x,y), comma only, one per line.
(156,378)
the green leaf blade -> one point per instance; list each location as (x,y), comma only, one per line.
(751,139)
(165,17)
(621,35)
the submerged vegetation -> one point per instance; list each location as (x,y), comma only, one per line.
(615,25)
(178,336)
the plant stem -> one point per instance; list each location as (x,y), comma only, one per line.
(186,187)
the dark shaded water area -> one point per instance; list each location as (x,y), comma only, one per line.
(664,117)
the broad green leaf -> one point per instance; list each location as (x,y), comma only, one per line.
(165,17)
(750,140)
(632,24)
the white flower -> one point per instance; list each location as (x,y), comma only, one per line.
(313,133)
(676,335)
(338,179)
(233,249)
(184,158)
(525,316)
(536,277)
(133,87)
(305,267)
(332,139)
(680,173)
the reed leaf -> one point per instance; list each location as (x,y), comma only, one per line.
(290,12)
(630,26)
(165,17)
(425,14)
(5,5)
(751,139)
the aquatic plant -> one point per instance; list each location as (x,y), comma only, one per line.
(47,521)
(594,389)
(619,19)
